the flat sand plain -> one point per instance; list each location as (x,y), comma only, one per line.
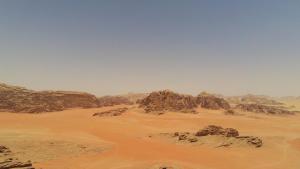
(74,139)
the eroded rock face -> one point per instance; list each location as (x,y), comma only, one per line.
(209,101)
(18,99)
(8,161)
(113,100)
(114,112)
(168,101)
(218,130)
(258,108)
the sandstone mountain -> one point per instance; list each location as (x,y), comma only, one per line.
(167,101)
(19,99)
(210,101)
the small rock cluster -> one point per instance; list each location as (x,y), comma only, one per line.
(257,142)
(259,108)
(217,131)
(114,112)
(7,161)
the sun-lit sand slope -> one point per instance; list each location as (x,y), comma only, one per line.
(74,139)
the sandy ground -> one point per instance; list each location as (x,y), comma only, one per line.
(74,139)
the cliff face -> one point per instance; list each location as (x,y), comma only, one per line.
(18,99)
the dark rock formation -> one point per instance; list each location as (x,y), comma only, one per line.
(209,101)
(168,101)
(18,99)
(7,161)
(258,108)
(229,137)
(114,112)
(14,163)
(218,130)
(113,100)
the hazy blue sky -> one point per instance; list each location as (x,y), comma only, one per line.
(111,47)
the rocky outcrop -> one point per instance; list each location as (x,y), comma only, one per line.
(218,130)
(114,112)
(258,108)
(113,100)
(168,101)
(210,101)
(18,99)
(255,141)
(253,99)
(8,161)
(216,136)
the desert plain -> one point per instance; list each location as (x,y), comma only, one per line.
(74,139)
(146,133)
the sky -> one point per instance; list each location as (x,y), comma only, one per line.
(231,47)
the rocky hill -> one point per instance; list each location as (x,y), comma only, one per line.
(210,101)
(167,101)
(19,99)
